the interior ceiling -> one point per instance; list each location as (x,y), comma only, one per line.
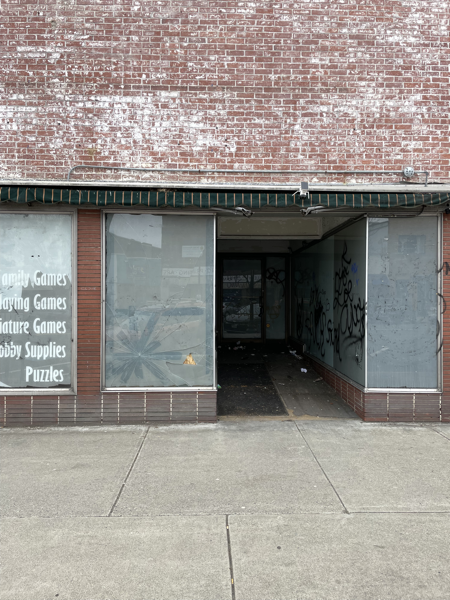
(254,246)
(276,226)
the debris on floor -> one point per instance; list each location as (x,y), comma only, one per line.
(259,381)
(238,346)
(247,390)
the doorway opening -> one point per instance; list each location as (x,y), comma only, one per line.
(259,373)
(253,297)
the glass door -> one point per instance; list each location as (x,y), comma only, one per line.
(275,302)
(242,298)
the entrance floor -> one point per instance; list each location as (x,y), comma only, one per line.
(266,380)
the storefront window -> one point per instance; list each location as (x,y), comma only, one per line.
(159,301)
(35,300)
(403,303)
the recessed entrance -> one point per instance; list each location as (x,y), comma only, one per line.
(257,375)
(252,297)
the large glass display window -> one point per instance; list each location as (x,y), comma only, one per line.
(159,301)
(36,302)
(403,319)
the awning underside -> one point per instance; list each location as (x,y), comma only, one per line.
(214,198)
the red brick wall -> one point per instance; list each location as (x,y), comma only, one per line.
(89,302)
(197,83)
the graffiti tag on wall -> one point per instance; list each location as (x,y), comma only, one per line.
(350,328)
(343,329)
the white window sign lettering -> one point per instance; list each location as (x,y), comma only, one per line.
(180,272)
(35,300)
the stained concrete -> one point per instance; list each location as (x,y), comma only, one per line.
(247,390)
(380,468)
(245,467)
(292,493)
(166,558)
(305,394)
(443,429)
(341,557)
(64,472)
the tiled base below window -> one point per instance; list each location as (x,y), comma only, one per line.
(112,408)
(388,407)
(109,408)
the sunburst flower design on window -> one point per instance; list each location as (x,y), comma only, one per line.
(152,350)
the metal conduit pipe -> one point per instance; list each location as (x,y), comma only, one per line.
(245,172)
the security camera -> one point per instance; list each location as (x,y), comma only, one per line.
(303,191)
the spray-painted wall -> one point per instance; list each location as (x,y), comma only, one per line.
(235,84)
(329,300)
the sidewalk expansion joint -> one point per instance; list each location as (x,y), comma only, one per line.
(321,468)
(400,512)
(441,434)
(230,559)
(144,437)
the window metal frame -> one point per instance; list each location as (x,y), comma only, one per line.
(414,390)
(131,390)
(72,389)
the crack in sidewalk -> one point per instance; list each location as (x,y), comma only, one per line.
(230,559)
(321,468)
(129,473)
(440,433)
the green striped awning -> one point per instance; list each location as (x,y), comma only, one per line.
(174,198)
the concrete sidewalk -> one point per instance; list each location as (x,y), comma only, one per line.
(245,510)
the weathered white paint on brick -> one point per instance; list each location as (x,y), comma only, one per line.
(282,85)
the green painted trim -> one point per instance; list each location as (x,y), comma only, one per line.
(210,199)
